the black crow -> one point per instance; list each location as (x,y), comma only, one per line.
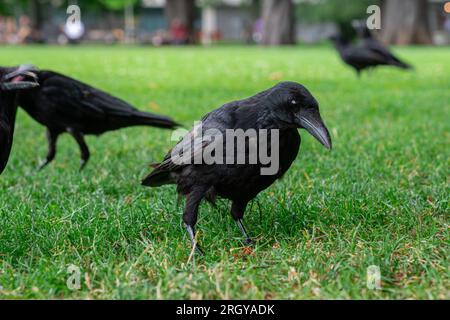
(11,80)
(283,108)
(63,104)
(368,41)
(361,57)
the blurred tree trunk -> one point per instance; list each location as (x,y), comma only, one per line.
(183,12)
(130,31)
(37,19)
(405,22)
(279,22)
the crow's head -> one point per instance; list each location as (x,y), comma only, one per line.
(11,80)
(361,28)
(17,78)
(293,106)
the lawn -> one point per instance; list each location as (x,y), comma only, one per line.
(379,198)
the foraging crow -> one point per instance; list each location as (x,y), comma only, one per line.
(362,57)
(63,104)
(368,41)
(11,80)
(285,107)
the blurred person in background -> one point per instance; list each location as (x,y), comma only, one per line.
(447,24)
(258,29)
(24,32)
(11,31)
(159,38)
(178,32)
(2,30)
(73,31)
(13,34)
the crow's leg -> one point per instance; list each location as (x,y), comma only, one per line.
(52,138)
(85,154)
(193,200)
(192,233)
(237,212)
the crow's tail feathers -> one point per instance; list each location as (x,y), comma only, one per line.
(401,64)
(154,120)
(157,178)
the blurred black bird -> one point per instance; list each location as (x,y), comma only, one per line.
(364,56)
(368,41)
(285,107)
(11,81)
(63,104)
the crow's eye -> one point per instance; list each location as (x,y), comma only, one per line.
(294,102)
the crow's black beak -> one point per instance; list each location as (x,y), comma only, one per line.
(312,122)
(24,77)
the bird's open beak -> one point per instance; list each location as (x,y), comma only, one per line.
(24,77)
(313,123)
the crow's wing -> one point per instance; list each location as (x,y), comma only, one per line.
(363,56)
(185,153)
(193,144)
(378,48)
(77,100)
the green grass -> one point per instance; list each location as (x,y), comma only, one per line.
(379,198)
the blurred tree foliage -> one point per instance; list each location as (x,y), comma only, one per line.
(333,10)
(15,7)
(340,11)
(207,3)
(117,4)
(12,7)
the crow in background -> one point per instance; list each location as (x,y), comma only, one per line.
(63,104)
(11,80)
(369,42)
(286,107)
(363,57)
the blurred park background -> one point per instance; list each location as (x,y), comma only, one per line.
(177,22)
